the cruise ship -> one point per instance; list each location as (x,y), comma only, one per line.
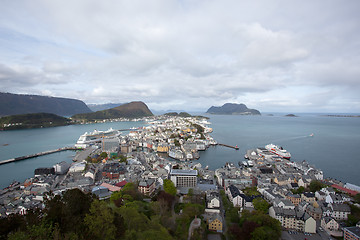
(96,136)
(278,151)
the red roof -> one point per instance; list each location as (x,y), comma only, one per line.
(349,191)
(112,188)
(121,184)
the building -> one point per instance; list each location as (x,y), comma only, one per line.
(147,187)
(183,178)
(111,144)
(163,147)
(352,233)
(61,167)
(308,197)
(294,198)
(329,224)
(340,211)
(293,219)
(215,223)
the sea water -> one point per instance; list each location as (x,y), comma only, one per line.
(16,143)
(333,148)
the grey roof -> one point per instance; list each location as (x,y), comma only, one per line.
(353,230)
(183,172)
(341,207)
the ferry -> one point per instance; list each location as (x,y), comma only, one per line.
(96,136)
(278,151)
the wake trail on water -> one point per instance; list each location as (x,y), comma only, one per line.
(291,138)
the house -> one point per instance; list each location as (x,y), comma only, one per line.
(283,203)
(334,198)
(293,219)
(314,211)
(340,211)
(294,198)
(329,224)
(91,172)
(213,201)
(234,196)
(282,180)
(308,197)
(163,147)
(215,222)
(147,187)
(320,195)
(101,192)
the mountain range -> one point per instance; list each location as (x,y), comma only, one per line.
(233,109)
(13,104)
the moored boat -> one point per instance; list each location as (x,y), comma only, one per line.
(278,151)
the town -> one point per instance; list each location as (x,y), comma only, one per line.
(164,152)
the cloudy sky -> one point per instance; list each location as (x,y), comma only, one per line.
(298,56)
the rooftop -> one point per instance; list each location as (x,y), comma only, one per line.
(183,172)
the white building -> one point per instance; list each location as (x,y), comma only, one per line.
(183,178)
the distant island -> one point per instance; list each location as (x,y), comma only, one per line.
(175,114)
(14,104)
(290,115)
(128,110)
(233,109)
(33,120)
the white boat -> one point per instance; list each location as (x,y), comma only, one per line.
(278,151)
(96,136)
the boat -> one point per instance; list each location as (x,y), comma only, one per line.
(96,136)
(311,135)
(278,151)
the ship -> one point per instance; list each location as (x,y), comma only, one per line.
(278,151)
(87,139)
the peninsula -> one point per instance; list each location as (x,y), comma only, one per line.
(32,120)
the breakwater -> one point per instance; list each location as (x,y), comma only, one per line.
(229,146)
(38,154)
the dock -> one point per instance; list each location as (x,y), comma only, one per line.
(38,154)
(229,146)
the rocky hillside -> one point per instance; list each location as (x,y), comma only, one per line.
(128,110)
(12,104)
(233,109)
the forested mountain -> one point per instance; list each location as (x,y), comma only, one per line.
(12,104)
(128,110)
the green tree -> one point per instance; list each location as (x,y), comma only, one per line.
(169,187)
(103,155)
(315,185)
(357,198)
(100,221)
(261,205)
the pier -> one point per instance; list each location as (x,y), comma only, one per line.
(229,146)
(38,154)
